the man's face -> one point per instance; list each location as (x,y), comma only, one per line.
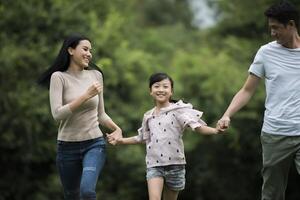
(281,33)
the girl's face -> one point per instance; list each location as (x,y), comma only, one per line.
(161,91)
(81,55)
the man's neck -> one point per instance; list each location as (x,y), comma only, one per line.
(297,41)
(294,43)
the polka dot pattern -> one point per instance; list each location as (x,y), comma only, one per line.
(163,133)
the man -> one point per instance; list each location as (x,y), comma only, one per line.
(278,62)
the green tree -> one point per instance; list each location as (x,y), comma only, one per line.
(131,40)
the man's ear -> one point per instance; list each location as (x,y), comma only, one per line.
(292,23)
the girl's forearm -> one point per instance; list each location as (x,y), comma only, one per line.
(128,140)
(207,130)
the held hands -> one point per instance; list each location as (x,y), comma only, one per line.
(115,137)
(223,123)
(218,130)
(94,90)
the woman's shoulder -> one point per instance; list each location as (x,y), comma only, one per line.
(95,73)
(58,75)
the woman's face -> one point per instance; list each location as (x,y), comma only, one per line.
(161,91)
(81,55)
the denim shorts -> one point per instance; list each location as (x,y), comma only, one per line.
(173,175)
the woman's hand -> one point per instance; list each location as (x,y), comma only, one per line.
(115,137)
(94,90)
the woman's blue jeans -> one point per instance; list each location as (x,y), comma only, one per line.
(79,165)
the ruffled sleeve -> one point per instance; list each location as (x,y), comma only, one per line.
(188,117)
(143,131)
(143,135)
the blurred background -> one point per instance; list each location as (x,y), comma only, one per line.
(205,45)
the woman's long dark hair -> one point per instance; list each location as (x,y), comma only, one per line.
(157,77)
(62,61)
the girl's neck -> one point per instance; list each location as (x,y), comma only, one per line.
(161,105)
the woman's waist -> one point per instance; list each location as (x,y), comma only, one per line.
(75,135)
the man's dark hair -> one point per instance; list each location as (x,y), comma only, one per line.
(283,13)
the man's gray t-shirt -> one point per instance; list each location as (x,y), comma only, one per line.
(280,67)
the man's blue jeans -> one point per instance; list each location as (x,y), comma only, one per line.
(79,165)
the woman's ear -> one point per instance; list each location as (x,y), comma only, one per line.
(70,51)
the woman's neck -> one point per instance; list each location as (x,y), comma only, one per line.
(75,70)
(73,67)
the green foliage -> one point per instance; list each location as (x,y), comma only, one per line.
(131,40)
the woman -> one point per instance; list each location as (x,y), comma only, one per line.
(76,101)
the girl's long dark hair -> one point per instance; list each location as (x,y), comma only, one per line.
(62,61)
(157,77)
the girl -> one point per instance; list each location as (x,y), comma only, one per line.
(161,130)
(76,101)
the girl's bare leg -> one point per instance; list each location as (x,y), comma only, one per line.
(155,187)
(170,194)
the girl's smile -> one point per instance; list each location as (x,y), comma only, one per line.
(161,92)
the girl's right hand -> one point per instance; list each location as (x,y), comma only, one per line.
(94,90)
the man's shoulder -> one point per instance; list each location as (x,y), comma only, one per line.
(269,47)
